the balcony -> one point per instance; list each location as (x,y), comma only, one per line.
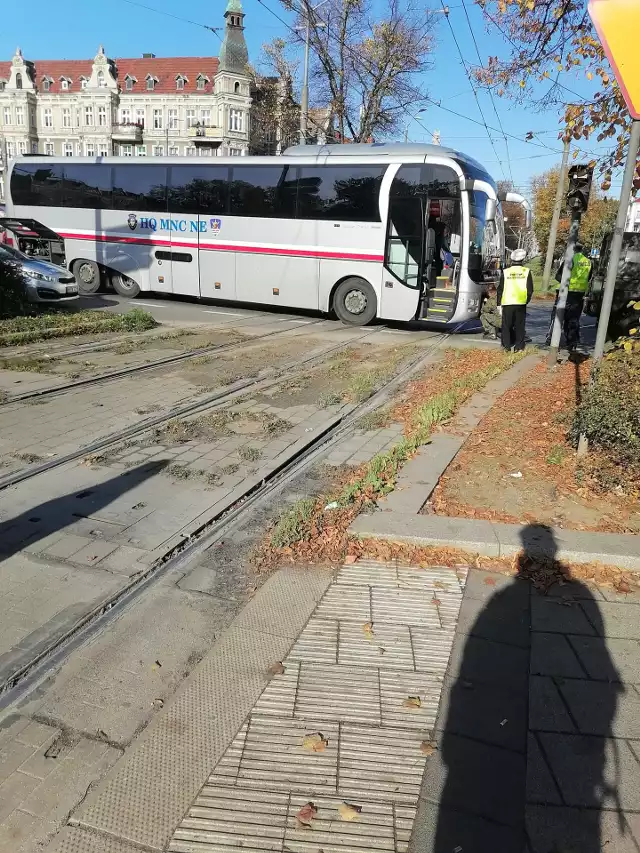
(127,131)
(205,135)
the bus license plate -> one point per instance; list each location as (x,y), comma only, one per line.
(72,288)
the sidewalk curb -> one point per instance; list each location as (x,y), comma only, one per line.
(491,539)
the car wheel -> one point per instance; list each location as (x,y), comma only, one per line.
(124,285)
(87,274)
(355,302)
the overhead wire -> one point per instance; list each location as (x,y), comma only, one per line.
(175,17)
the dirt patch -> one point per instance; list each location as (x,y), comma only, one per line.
(518,466)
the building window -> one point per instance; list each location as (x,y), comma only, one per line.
(151,84)
(102,83)
(235,152)
(179,83)
(83,82)
(189,151)
(173,151)
(90,149)
(34,147)
(201,82)
(47,118)
(236,88)
(191,118)
(46,85)
(66,117)
(88,116)
(103,150)
(126,150)
(68,149)
(141,150)
(157,119)
(158,150)
(128,83)
(64,83)
(206,152)
(18,81)
(20,115)
(7,115)
(22,148)
(102,116)
(10,150)
(125,115)
(205,117)
(172,119)
(78,149)
(236,120)
(49,149)
(140,117)
(3,85)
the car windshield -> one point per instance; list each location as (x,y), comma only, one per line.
(8,253)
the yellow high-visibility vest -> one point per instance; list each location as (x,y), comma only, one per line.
(514,291)
(580,269)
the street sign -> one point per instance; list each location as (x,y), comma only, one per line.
(618,24)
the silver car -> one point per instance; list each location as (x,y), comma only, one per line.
(44,282)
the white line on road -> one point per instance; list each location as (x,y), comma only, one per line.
(151,305)
(304,322)
(229,314)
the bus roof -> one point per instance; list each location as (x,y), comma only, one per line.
(368,149)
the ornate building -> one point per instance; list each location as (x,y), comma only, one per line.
(186,106)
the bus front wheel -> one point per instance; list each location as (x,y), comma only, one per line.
(124,285)
(355,302)
(87,274)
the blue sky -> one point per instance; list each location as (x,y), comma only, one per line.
(128,30)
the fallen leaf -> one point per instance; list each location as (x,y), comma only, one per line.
(367,630)
(307,814)
(435,601)
(350,559)
(490,581)
(413,702)
(315,742)
(348,811)
(428,747)
(276,668)
(440,585)
(381,650)
(156,665)
(623,586)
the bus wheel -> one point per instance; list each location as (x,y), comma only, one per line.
(124,285)
(355,302)
(87,274)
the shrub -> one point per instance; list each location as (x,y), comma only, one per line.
(13,299)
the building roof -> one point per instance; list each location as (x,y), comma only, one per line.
(164,70)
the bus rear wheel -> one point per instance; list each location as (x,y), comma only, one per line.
(87,274)
(355,302)
(124,285)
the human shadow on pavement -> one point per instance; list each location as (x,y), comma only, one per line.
(530,698)
(35,523)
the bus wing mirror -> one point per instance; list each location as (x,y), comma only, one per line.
(491,208)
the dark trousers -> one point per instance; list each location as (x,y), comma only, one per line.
(513,324)
(572,314)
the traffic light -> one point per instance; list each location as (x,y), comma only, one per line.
(579,187)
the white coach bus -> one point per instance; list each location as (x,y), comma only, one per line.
(395,231)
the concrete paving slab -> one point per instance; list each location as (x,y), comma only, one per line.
(613,619)
(600,708)
(438,828)
(473,535)
(553,615)
(477,660)
(547,711)
(552,654)
(75,839)
(582,830)
(541,786)
(615,660)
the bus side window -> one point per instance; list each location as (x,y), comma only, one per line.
(405,240)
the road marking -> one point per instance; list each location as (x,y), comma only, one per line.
(151,305)
(229,314)
(304,322)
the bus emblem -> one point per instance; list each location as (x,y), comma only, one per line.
(215,224)
(133,221)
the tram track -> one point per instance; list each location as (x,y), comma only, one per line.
(125,372)
(194,542)
(210,401)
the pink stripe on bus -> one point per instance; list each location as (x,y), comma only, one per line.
(225,247)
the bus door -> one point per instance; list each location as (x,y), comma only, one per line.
(406,256)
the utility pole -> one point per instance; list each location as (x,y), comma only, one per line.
(304,97)
(551,245)
(614,256)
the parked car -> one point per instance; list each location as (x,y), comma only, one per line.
(44,281)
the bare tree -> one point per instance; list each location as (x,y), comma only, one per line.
(367,66)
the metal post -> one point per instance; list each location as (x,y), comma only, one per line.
(614,257)
(561,304)
(304,100)
(551,246)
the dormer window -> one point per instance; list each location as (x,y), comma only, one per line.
(128,83)
(180,81)
(83,82)
(102,83)
(151,83)
(201,81)
(3,85)
(65,83)
(18,81)
(46,84)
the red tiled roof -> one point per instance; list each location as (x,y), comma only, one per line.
(165,70)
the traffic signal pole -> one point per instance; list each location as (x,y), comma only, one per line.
(557,208)
(561,303)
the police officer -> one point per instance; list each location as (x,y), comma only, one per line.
(514,294)
(581,272)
